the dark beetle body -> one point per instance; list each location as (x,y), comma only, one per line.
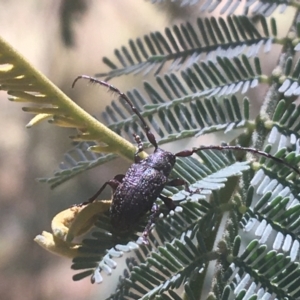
(141,186)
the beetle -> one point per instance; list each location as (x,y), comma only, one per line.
(134,194)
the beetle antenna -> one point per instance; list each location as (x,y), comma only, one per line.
(149,134)
(186,153)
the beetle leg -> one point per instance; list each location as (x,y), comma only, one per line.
(139,142)
(153,217)
(170,204)
(113,183)
(119,177)
(179,182)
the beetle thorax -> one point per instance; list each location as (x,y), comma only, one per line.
(161,160)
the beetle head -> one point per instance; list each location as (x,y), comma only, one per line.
(161,160)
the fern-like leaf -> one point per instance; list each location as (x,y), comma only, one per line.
(76,161)
(208,115)
(179,106)
(262,7)
(183,46)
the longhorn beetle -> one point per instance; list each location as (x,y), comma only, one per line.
(135,193)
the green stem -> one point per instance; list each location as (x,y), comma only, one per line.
(65,106)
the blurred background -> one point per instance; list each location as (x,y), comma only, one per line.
(62,39)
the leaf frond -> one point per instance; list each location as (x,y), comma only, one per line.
(187,44)
(289,86)
(202,116)
(76,161)
(182,98)
(259,7)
